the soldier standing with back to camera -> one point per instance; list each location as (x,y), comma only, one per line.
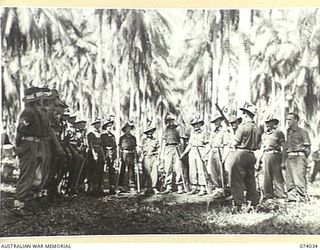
(247,140)
(109,146)
(273,141)
(27,142)
(297,152)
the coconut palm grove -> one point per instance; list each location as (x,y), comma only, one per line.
(159,121)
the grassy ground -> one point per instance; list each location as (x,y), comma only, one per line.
(170,214)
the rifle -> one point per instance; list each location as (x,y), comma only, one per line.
(222,171)
(185,186)
(205,173)
(79,174)
(118,163)
(222,114)
(136,165)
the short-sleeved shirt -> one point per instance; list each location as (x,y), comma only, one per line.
(108,140)
(297,139)
(29,123)
(248,136)
(171,136)
(128,142)
(217,138)
(273,139)
(197,138)
(150,146)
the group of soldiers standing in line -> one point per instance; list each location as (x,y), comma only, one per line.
(58,156)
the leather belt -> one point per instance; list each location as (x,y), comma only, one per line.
(171,144)
(245,150)
(30,138)
(296,153)
(269,152)
(127,151)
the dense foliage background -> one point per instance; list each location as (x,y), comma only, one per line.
(141,64)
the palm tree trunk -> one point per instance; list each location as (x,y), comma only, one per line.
(99,78)
(283,104)
(20,82)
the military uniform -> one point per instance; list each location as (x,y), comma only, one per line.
(127,146)
(247,140)
(28,148)
(296,181)
(196,166)
(316,167)
(171,158)
(150,150)
(95,161)
(109,145)
(45,146)
(272,141)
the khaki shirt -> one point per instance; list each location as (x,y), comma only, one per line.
(217,138)
(197,138)
(127,142)
(272,140)
(297,139)
(248,136)
(171,136)
(150,146)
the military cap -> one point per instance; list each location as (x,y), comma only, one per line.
(216,117)
(66,114)
(249,108)
(170,117)
(234,118)
(80,120)
(32,94)
(109,120)
(97,120)
(150,129)
(63,105)
(272,118)
(72,115)
(129,124)
(197,120)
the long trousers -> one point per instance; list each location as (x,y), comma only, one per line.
(316,170)
(150,163)
(127,176)
(95,170)
(196,168)
(214,168)
(172,166)
(296,179)
(110,160)
(29,161)
(242,178)
(273,179)
(46,155)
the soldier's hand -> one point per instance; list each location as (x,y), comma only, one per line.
(283,165)
(258,166)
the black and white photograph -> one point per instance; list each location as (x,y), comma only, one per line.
(159,121)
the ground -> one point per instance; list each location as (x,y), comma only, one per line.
(161,214)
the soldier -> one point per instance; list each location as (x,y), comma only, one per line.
(45,140)
(297,152)
(171,158)
(128,152)
(27,142)
(109,145)
(195,149)
(247,140)
(150,150)
(273,141)
(214,158)
(316,167)
(95,159)
(229,149)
